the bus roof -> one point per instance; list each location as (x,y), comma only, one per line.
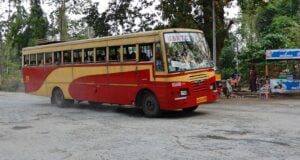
(108,38)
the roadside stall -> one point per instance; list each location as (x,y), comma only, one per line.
(283,69)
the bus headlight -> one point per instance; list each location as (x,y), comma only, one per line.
(183,92)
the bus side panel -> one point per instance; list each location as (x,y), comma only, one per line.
(88,83)
(34,78)
(60,77)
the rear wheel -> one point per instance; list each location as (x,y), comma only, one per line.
(150,105)
(191,109)
(59,99)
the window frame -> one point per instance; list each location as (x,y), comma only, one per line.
(105,57)
(136,53)
(84,52)
(80,56)
(30,64)
(24,59)
(139,51)
(120,54)
(162,57)
(63,55)
(37,58)
(52,59)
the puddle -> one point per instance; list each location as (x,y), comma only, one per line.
(21,127)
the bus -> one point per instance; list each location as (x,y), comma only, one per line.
(158,70)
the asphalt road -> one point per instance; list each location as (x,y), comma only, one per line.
(32,129)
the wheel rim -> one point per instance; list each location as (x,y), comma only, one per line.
(150,105)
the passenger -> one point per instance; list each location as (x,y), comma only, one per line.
(252,79)
(41,62)
(57,61)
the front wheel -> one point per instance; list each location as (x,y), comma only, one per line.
(150,105)
(191,109)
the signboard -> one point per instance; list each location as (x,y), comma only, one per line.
(285,86)
(283,54)
(177,37)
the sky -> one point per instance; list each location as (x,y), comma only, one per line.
(230,13)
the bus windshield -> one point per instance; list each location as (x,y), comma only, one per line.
(187,51)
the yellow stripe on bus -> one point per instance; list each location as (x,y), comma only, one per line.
(62,77)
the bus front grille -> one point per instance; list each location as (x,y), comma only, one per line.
(200,86)
(197,77)
(199,82)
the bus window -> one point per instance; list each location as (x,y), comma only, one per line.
(57,58)
(48,57)
(33,59)
(26,60)
(101,54)
(129,53)
(114,54)
(67,57)
(40,59)
(77,56)
(89,55)
(146,52)
(159,63)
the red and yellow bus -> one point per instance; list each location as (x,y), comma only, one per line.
(158,70)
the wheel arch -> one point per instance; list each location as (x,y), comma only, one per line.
(52,92)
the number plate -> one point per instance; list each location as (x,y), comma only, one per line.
(201,99)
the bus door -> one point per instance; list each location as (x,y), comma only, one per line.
(145,65)
(114,74)
(102,87)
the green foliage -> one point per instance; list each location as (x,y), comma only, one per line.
(97,21)
(37,23)
(272,25)
(227,72)
(228,53)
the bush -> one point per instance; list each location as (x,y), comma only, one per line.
(11,83)
(227,72)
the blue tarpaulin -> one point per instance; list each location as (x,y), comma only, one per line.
(283,54)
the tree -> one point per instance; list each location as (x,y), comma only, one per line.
(97,21)
(59,17)
(122,16)
(198,14)
(274,24)
(37,23)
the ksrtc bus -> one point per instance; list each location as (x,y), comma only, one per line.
(157,70)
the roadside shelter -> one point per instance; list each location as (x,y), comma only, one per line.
(288,78)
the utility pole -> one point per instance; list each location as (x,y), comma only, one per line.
(214,33)
(62,21)
(1,60)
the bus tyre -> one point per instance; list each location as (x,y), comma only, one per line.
(190,109)
(59,99)
(150,105)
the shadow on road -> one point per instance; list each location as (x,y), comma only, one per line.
(132,112)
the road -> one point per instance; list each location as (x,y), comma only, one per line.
(238,128)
